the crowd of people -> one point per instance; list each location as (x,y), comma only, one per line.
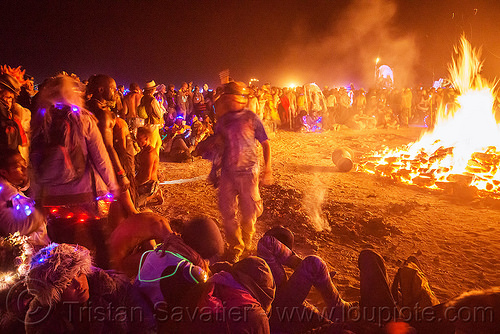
(79,166)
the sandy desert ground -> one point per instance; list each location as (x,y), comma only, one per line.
(335,215)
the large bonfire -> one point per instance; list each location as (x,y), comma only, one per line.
(463,148)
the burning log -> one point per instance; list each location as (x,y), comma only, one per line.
(369,167)
(465,179)
(384,169)
(431,173)
(404,173)
(464,192)
(391,159)
(487,158)
(446,186)
(424,181)
(476,167)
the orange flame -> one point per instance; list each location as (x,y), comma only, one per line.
(462,147)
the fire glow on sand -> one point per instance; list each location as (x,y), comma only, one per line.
(464,146)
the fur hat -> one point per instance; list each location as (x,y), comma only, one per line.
(203,235)
(53,268)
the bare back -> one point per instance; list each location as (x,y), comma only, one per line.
(131,102)
(147,169)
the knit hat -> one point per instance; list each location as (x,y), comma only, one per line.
(255,275)
(53,268)
(284,235)
(203,235)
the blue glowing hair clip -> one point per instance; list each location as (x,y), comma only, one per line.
(44,254)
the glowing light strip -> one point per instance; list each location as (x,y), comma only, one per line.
(179,181)
(184,260)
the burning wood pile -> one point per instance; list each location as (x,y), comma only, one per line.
(462,151)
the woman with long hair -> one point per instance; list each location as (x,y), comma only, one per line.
(73,173)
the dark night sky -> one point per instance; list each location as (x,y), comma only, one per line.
(329,42)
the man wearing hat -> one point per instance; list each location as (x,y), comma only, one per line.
(10,134)
(239,129)
(155,112)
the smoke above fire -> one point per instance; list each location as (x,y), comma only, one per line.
(347,50)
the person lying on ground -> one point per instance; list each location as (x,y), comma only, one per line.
(234,300)
(69,292)
(178,264)
(132,237)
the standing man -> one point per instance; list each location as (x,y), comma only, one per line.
(130,103)
(239,129)
(103,89)
(182,101)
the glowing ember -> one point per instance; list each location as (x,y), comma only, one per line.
(463,146)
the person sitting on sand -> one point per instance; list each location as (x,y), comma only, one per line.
(175,143)
(147,170)
(276,248)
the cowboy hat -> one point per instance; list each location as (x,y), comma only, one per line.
(150,85)
(9,82)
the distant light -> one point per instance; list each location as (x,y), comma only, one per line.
(292,85)
(377,60)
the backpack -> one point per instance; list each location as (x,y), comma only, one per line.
(59,165)
(141,111)
(411,288)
